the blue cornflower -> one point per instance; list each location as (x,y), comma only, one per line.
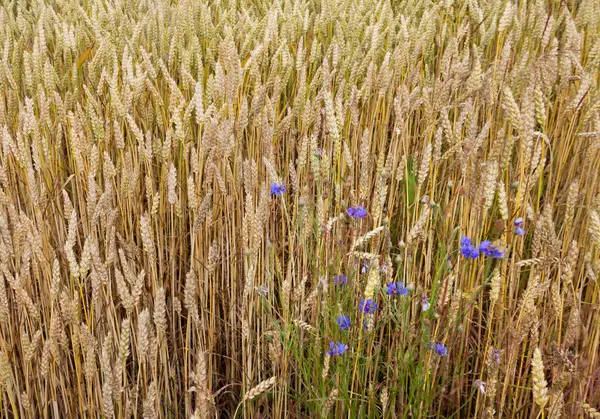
(339,280)
(277,189)
(440,349)
(337,348)
(467,249)
(518,223)
(470,252)
(397,288)
(488,249)
(497,253)
(357,212)
(367,306)
(484,247)
(343,322)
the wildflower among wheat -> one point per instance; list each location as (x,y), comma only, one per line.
(277,189)
(440,349)
(467,249)
(396,288)
(343,322)
(337,348)
(488,249)
(357,212)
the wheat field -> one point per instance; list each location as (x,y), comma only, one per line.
(299,209)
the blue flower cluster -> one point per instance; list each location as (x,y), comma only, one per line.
(470,251)
(467,249)
(518,223)
(397,288)
(487,248)
(344,322)
(337,348)
(277,189)
(367,306)
(440,349)
(357,212)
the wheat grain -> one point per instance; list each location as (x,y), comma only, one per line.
(330,402)
(384,398)
(149,405)
(147,238)
(305,326)
(143,332)
(260,388)
(594,226)
(418,228)
(326,362)
(5,370)
(171,185)
(502,200)
(425,162)
(540,390)
(590,411)
(160,309)
(45,361)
